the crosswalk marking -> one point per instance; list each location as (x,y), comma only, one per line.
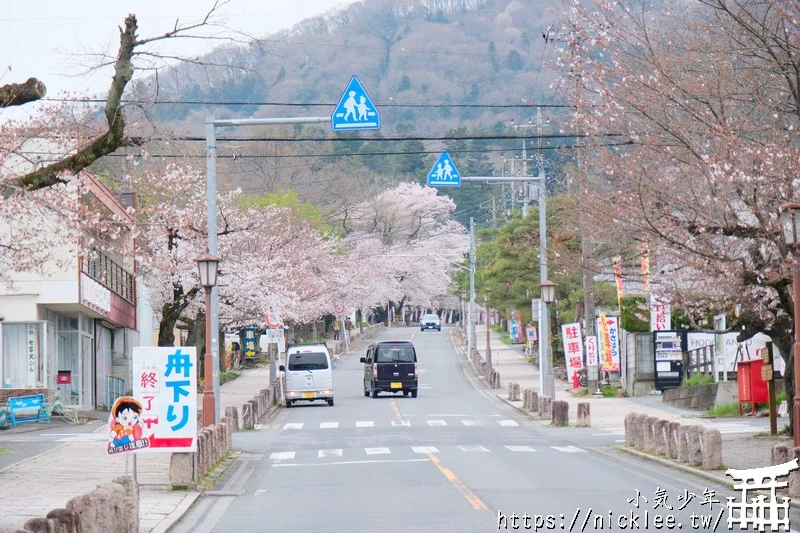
(432,422)
(395,423)
(568,449)
(508,423)
(279,456)
(293,425)
(377,451)
(335,452)
(329,425)
(471,423)
(520,448)
(473,448)
(365,424)
(437,423)
(424,449)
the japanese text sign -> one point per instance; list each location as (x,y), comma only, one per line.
(161,415)
(573,349)
(591,351)
(660,314)
(249,342)
(608,327)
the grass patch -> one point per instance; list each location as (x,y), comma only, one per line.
(727,410)
(608,391)
(697,379)
(6,450)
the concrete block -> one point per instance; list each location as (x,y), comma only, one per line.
(559,413)
(696,445)
(779,454)
(546,405)
(584,415)
(711,446)
(637,422)
(202,454)
(673,439)
(534,401)
(181,470)
(232,413)
(525,398)
(660,431)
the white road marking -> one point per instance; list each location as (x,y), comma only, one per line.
(328,425)
(473,448)
(395,423)
(425,449)
(568,449)
(367,461)
(377,451)
(471,423)
(365,424)
(437,423)
(334,452)
(261,491)
(257,426)
(280,456)
(520,448)
(84,437)
(293,425)
(508,423)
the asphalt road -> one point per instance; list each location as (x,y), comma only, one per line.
(453,459)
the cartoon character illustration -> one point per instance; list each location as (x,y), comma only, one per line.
(123,424)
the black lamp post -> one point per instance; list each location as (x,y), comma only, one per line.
(207,267)
(790,222)
(548,293)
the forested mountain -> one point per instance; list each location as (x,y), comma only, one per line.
(435,69)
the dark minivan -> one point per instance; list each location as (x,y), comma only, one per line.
(390,366)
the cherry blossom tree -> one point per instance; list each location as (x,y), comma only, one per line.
(703,100)
(405,245)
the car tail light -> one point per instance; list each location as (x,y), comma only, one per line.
(416,375)
(375,371)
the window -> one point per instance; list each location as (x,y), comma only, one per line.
(22,354)
(395,354)
(308,361)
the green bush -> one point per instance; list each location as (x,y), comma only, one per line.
(727,410)
(634,314)
(697,379)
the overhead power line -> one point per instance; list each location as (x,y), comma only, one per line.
(189,138)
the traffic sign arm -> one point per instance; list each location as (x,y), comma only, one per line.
(500,178)
(269,121)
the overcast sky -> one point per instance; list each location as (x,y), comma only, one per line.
(47,39)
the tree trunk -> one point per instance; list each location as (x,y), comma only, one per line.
(15,94)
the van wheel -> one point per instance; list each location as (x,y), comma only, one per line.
(413,393)
(374,393)
(330,402)
(288,403)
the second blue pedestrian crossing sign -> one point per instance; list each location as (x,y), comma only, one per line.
(355,110)
(444,173)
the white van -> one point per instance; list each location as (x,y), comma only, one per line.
(308,374)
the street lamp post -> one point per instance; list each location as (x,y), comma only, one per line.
(790,221)
(548,290)
(488,342)
(462,320)
(207,266)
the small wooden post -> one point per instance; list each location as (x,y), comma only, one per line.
(769,377)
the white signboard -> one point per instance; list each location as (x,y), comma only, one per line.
(32,354)
(660,314)
(591,351)
(573,350)
(161,416)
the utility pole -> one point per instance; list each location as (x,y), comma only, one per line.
(494,213)
(546,375)
(472,340)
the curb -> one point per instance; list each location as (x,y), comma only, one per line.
(172,518)
(678,466)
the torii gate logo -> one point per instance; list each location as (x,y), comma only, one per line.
(760,512)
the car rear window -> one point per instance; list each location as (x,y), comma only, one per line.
(308,361)
(395,354)
(430,317)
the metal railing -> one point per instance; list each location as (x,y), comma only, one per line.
(115,388)
(698,361)
(103,269)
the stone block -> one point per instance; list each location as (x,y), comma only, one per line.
(534,401)
(86,511)
(649,434)
(39,525)
(696,445)
(131,501)
(637,429)
(711,446)
(525,397)
(673,439)
(66,520)
(232,413)
(546,407)
(181,470)
(779,454)
(794,476)
(684,444)
(661,430)
(559,413)
(202,454)
(584,415)
(628,424)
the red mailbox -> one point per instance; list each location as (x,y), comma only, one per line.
(752,387)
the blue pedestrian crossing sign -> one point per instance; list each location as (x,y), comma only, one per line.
(444,173)
(355,110)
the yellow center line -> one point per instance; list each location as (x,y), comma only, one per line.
(476,502)
(397,414)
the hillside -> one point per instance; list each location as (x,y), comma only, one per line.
(430,66)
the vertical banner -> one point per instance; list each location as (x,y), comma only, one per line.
(573,351)
(161,415)
(608,326)
(618,278)
(249,342)
(591,351)
(660,314)
(645,267)
(32,355)
(521,335)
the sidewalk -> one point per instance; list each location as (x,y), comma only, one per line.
(739,450)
